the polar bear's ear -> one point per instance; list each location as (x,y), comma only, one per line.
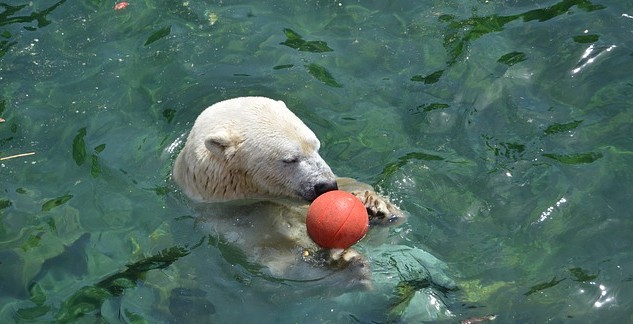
(223,143)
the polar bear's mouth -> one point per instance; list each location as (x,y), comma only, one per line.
(319,189)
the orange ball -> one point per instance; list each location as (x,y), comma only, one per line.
(337,220)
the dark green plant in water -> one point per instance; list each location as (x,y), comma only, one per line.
(323,75)
(80,155)
(561,128)
(296,41)
(393,167)
(513,58)
(163,32)
(90,298)
(7,18)
(461,32)
(575,158)
(543,286)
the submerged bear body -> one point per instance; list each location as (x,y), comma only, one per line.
(252,167)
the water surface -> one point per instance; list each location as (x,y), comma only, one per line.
(502,127)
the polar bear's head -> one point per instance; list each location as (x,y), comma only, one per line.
(251,147)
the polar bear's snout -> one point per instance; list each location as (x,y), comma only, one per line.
(310,192)
(323,187)
(312,177)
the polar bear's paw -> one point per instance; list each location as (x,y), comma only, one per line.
(354,263)
(351,269)
(380,210)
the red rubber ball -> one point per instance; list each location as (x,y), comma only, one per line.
(337,220)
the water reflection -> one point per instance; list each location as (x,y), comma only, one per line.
(604,298)
(548,212)
(590,55)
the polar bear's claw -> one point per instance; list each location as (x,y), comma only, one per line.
(380,210)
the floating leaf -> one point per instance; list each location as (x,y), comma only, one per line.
(560,128)
(79,147)
(283,66)
(323,75)
(512,149)
(429,79)
(421,156)
(32,242)
(433,106)
(55,202)
(5,46)
(5,203)
(294,40)
(578,158)
(586,39)
(543,286)
(95,168)
(559,9)
(588,6)
(158,35)
(291,34)
(100,148)
(160,191)
(513,58)
(51,224)
(169,114)
(582,275)
(293,43)
(315,47)
(504,149)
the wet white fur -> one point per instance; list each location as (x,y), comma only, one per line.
(253,165)
(249,147)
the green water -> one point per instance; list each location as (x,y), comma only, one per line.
(503,128)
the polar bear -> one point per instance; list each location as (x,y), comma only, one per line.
(252,167)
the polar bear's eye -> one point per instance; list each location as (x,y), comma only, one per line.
(291,160)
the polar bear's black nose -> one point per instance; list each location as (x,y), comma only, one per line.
(323,187)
